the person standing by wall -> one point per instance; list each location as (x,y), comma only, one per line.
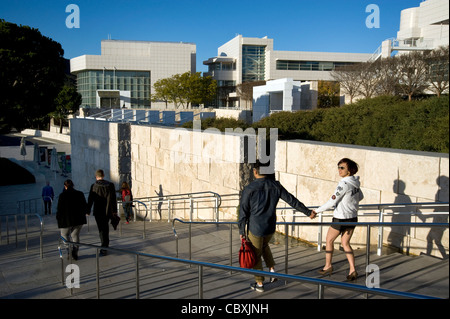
(47,196)
(258,209)
(345,201)
(71,214)
(102,197)
(127,198)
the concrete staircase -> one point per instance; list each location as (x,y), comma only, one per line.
(23,274)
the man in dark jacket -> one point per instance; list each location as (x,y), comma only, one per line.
(71,214)
(258,209)
(102,196)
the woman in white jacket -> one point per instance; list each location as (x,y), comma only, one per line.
(345,201)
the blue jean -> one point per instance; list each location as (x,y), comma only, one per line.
(127,210)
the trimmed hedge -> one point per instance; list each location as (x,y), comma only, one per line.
(381,122)
(384,121)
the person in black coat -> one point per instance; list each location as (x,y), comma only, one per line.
(71,214)
(102,200)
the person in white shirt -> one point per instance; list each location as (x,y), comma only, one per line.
(345,202)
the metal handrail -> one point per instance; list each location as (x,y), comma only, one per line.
(200,264)
(172,199)
(381,213)
(41,231)
(143,219)
(286,224)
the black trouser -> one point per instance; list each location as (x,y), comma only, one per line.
(103,229)
(48,207)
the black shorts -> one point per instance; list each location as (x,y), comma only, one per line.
(343,228)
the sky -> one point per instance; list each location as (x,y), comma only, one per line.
(297,25)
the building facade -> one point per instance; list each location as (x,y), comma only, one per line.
(421,28)
(245,59)
(124,74)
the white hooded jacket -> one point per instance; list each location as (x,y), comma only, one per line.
(345,199)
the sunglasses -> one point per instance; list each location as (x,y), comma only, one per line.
(342,167)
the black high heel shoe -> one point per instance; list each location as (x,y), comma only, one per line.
(327,271)
(352,276)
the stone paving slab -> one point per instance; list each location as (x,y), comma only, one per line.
(24,275)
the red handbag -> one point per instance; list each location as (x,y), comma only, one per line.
(247,256)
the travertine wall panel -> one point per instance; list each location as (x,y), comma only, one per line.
(183,161)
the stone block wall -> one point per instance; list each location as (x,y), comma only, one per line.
(163,160)
(309,171)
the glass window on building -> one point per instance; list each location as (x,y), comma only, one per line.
(136,82)
(253,63)
(309,65)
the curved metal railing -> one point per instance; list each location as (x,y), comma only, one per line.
(201,265)
(381,213)
(368,225)
(41,230)
(191,198)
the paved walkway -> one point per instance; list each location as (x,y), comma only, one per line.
(9,195)
(24,275)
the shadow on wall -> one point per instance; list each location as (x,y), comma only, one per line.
(399,237)
(161,197)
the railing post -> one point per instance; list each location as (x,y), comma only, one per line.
(319,234)
(286,245)
(176,245)
(231,246)
(137,276)
(145,217)
(216,202)
(97,275)
(62,262)
(190,241)
(151,209)
(7,229)
(26,232)
(200,282)
(41,240)
(16,226)
(380,233)
(191,208)
(321,291)
(169,213)
(367,247)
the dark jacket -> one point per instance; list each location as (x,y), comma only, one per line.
(258,206)
(72,209)
(103,197)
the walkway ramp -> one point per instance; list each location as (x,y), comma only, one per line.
(25,275)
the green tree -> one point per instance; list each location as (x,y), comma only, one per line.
(162,91)
(31,75)
(185,89)
(67,103)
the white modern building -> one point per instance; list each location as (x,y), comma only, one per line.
(245,59)
(124,74)
(421,28)
(280,95)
